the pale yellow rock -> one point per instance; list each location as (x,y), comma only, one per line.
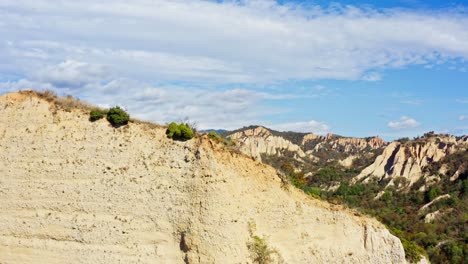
(424,207)
(258,141)
(344,144)
(72,191)
(409,160)
(432,216)
(310,137)
(348,161)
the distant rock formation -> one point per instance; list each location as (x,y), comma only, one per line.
(407,160)
(259,140)
(342,144)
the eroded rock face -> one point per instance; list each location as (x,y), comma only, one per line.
(72,191)
(343,144)
(408,160)
(258,141)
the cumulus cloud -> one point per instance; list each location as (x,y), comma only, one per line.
(403,123)
(206,107)
(312,126)
(463,118)
(167,60)
(72,73)
(226,42)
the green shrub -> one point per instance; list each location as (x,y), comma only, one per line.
(117,116)
(215,136)
(259,251)
(96,114)
(313,191)
(173,130)
(179,131)
(413,252)
(186,132)
(432,193)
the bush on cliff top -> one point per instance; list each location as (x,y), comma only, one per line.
(117,116)
(215,136)
(179,131)
(97,114)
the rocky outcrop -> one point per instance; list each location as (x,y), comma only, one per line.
(72,191)
(348,161)
(258,140)
(311,137)
(408,159)
(341,144)
(441,197)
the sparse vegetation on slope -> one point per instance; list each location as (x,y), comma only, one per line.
(165,182)
(400,212)
(215,136)
(260,252)
(442,238)
(67,103)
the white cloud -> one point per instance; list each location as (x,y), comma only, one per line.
(165,60)
(72,73)
(312,126)
(207,107)
(403,123)
(229,42)
(463,118)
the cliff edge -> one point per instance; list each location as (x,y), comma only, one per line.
(75,191)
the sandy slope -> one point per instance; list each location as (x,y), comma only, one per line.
(72,191)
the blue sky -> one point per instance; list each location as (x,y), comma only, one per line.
(355,68)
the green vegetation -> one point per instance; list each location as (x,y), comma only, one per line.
(117,116)
(399,211)
(298,180)
(444,240)
(97,114)
(260,252)
(180,131)
(215,136)
(413,252)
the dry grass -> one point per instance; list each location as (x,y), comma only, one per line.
(67,103)
(147,124)
(70,103)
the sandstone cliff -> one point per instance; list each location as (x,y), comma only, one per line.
(258,140)
(343,144)
(409,159)
(72,191)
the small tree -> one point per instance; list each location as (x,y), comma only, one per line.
(117,116)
